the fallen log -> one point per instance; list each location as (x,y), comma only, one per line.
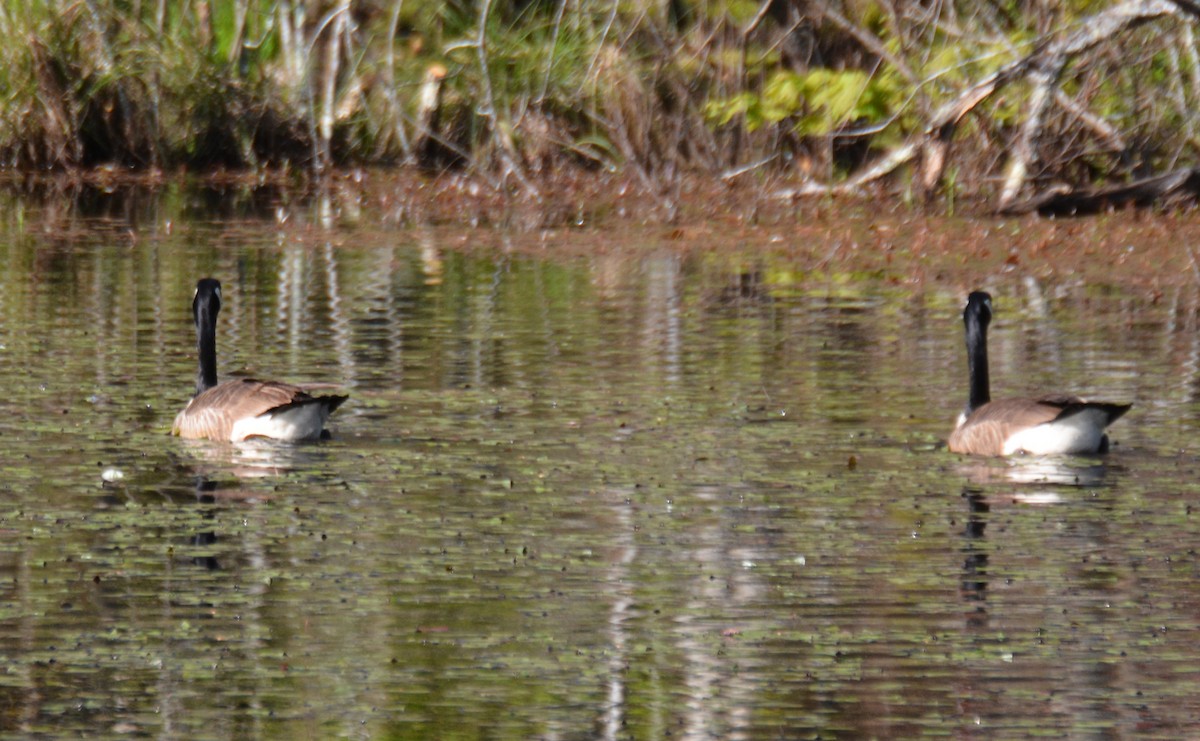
(1062,201)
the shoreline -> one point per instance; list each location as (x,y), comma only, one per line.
(588,213)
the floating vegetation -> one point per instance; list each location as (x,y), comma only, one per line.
(671,484)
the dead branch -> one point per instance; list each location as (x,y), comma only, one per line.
(1043,66)
(1046,68)
(1101,129)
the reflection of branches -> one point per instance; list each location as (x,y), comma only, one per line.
(625,555)
(339,318)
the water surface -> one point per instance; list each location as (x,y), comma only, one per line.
(631,492)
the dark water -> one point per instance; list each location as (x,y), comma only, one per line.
(641,493)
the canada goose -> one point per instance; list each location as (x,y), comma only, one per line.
(243,408)
(1049,425)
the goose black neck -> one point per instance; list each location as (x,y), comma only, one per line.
(206,345)
(977,362)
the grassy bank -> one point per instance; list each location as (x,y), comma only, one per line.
(517,92)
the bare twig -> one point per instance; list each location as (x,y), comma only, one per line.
(320,126)
(500,133)
(338,17)
(239,29)
(600,44)
(889,162)
(1103,130)
(389,71)
(869,40)
(758,18)
(1192,260)
(734,172)
(558,16)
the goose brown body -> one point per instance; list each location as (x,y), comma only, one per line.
(215,413)
(991,427)
(244,408)
(1044,425)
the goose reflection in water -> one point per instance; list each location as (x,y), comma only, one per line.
(975,564)
(251,459)
(1035,471)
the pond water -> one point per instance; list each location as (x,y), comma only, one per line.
(593,486)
